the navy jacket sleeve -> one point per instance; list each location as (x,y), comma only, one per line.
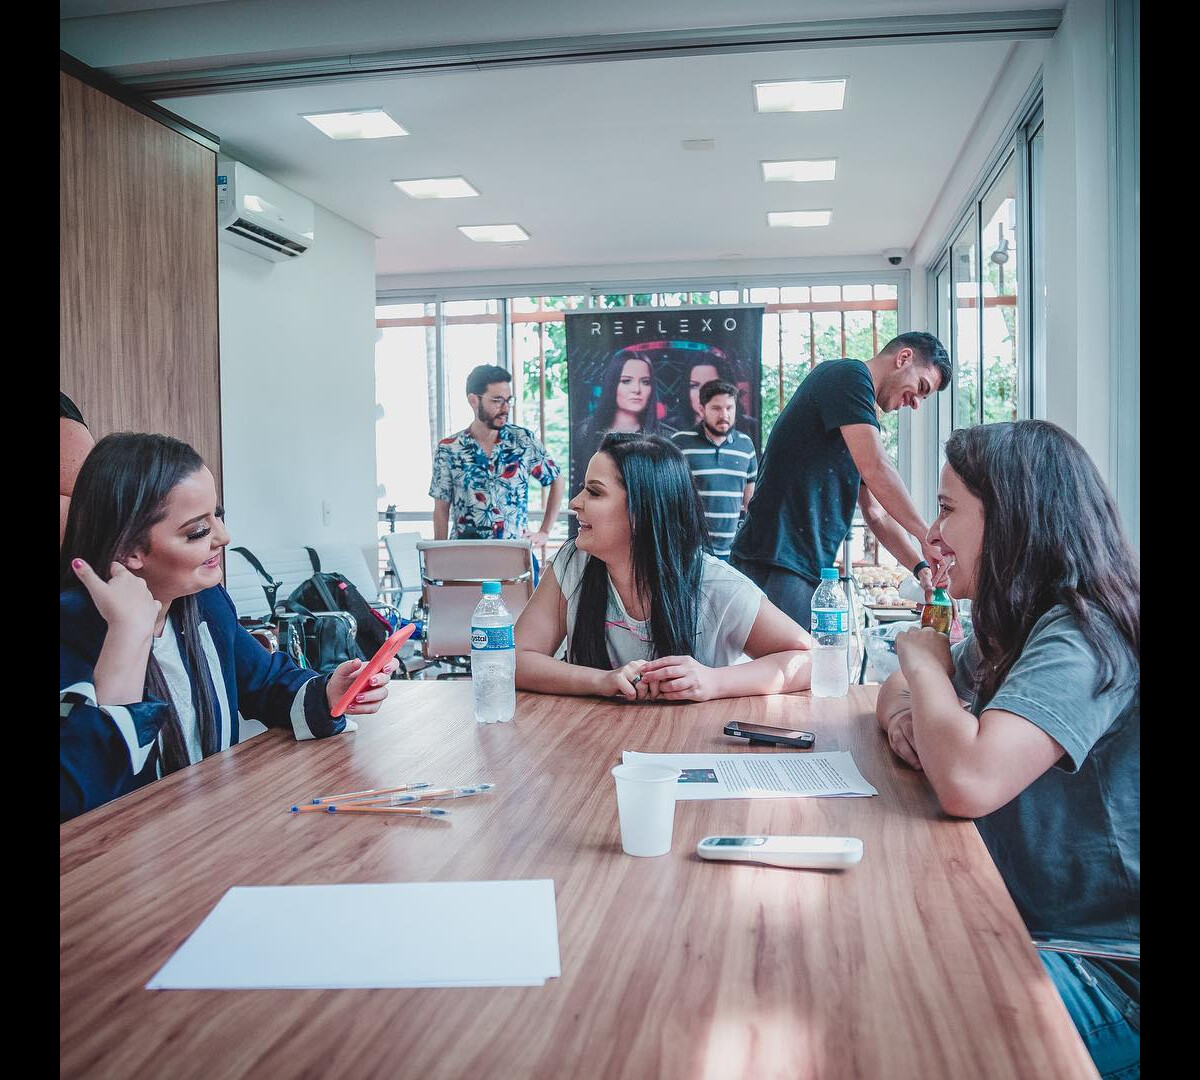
(267,684)
(103,752)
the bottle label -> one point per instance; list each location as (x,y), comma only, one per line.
(828,621)
(492,637)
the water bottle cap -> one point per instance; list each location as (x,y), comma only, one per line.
(941,598)
(491,588)
(829,573)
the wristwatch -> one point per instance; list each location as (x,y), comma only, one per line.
(922,565)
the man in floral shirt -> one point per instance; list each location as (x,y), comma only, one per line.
(480,486)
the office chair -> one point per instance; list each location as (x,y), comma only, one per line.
(452,572)
(405,567)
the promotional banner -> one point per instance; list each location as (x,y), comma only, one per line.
(641,369)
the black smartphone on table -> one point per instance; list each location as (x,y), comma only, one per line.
(772,736)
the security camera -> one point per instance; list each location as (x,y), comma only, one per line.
(895,255)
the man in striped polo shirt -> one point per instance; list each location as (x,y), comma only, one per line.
(722,461)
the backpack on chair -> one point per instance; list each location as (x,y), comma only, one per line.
(330,642)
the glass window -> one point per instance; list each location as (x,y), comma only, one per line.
(406,413)
(988,293)
(827,331)
(471,336)
(1035,294)
(964,267)
(795,337)
(771,360)
(400,311)
(860,334)
(998,212)
(796,349)
(538,355)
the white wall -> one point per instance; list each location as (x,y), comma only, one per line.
(298,391)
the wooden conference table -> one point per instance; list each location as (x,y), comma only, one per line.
(912,964)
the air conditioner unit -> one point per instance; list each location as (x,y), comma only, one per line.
(261,216)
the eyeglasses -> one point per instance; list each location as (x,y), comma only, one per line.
(497,401)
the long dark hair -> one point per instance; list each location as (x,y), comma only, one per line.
(606,409)
(668,537)
(120,495)
(1051,535)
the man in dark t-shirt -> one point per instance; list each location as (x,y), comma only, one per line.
(823,455)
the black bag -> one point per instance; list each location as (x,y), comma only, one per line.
(291,636)
(336,592)
(328,637)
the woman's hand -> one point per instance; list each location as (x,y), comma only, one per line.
(372,695)
(900,738)
(680,678)
(124,600)
(923,647)
(626,681)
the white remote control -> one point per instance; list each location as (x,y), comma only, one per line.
(799,852)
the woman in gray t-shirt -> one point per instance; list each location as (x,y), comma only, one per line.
(1031,726)
(636,606)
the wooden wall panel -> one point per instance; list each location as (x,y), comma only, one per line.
(138,272)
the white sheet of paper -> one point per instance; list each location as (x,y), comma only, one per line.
(438,933)
(762,776)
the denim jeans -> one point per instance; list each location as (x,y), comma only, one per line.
(1113,1042)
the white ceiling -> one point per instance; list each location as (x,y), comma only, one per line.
(587,157)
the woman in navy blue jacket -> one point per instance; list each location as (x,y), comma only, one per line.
(153,665)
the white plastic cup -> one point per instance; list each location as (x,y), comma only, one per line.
(646,807)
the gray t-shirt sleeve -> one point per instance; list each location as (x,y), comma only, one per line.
(1053,686)
(965,660)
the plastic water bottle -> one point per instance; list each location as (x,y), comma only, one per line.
(831,637)
(493,658)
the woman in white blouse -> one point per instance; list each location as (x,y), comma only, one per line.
(637,606)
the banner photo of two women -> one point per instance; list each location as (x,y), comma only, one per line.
(638,369)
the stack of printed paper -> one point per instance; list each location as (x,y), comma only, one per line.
(438,933)
(761,776)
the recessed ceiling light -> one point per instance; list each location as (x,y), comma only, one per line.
(799,171)
(805,95)
(494,234)
(798,219)
(439,187)
(358,124)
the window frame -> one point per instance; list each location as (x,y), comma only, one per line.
(590,290)
(1013,146)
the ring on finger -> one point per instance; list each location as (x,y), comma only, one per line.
(636,679)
